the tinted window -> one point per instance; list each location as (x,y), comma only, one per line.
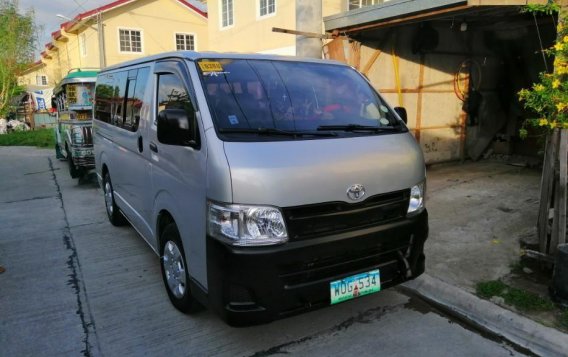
(119,97)
(134,99)
(103,97)
(299,96)
(173,95)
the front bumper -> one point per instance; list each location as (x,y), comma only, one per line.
(257,285)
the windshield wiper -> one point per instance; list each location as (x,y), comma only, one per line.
(273,131)
(356,127)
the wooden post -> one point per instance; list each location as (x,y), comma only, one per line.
(558,234)
(563,161)
(546,190)
(554,179)
(463,114)
(418,126)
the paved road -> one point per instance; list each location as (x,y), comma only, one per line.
(75,285)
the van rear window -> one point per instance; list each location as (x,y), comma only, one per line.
(291,96)
(119,97)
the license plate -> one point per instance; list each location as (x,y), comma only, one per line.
(355,286)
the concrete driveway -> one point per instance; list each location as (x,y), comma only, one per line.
(75,285)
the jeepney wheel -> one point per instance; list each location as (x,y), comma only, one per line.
(73,171)
(174,271)
(58,154)
(113,212)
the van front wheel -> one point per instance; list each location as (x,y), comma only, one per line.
(174,270)
(114,215)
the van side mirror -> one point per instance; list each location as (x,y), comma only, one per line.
(401,111)
(175,128)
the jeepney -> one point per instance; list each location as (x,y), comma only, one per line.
(73,100)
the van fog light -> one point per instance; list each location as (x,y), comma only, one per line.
(416,204)
(246,225)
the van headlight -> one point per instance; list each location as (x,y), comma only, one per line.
(244,225)
(416,203)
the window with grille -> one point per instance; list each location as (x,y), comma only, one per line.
(226,13)
(356,4)
(185,42)
(41,80)
(130,41)
(267,7)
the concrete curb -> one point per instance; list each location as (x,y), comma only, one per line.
(518,330)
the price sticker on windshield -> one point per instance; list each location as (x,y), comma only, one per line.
(210,66)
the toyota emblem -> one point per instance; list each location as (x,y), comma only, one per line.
(356,192)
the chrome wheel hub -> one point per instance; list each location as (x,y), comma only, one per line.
(108,197)
(174,269)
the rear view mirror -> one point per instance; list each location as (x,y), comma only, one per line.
(401,111)
(175,128)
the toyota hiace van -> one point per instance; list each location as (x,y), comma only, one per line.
(267,185)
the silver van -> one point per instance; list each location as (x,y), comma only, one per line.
(268,186)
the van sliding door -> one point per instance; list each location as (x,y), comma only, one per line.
(179,168)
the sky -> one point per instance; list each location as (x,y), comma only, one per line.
(46,11)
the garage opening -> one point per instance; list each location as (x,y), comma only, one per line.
(456,70)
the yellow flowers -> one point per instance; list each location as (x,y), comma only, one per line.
(549,96)
(560,61)
(552,124)
(544,122)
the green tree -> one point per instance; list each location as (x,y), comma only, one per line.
(17,45)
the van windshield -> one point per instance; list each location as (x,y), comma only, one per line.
(285,98)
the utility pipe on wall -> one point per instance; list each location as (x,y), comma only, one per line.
(100,30)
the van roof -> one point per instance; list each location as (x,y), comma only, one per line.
(194,56)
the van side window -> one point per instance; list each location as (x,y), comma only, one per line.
(173,95)
(118,98)
(103,97)
(136,87)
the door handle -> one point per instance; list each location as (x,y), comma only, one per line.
(153,146)
(140,144)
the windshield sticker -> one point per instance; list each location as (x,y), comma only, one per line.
(384,109)
(210,66)
(214,74)
(233,120)
(384,121)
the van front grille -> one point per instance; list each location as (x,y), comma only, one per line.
(311,221)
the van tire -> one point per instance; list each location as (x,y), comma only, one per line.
(113,212)
(175,272)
